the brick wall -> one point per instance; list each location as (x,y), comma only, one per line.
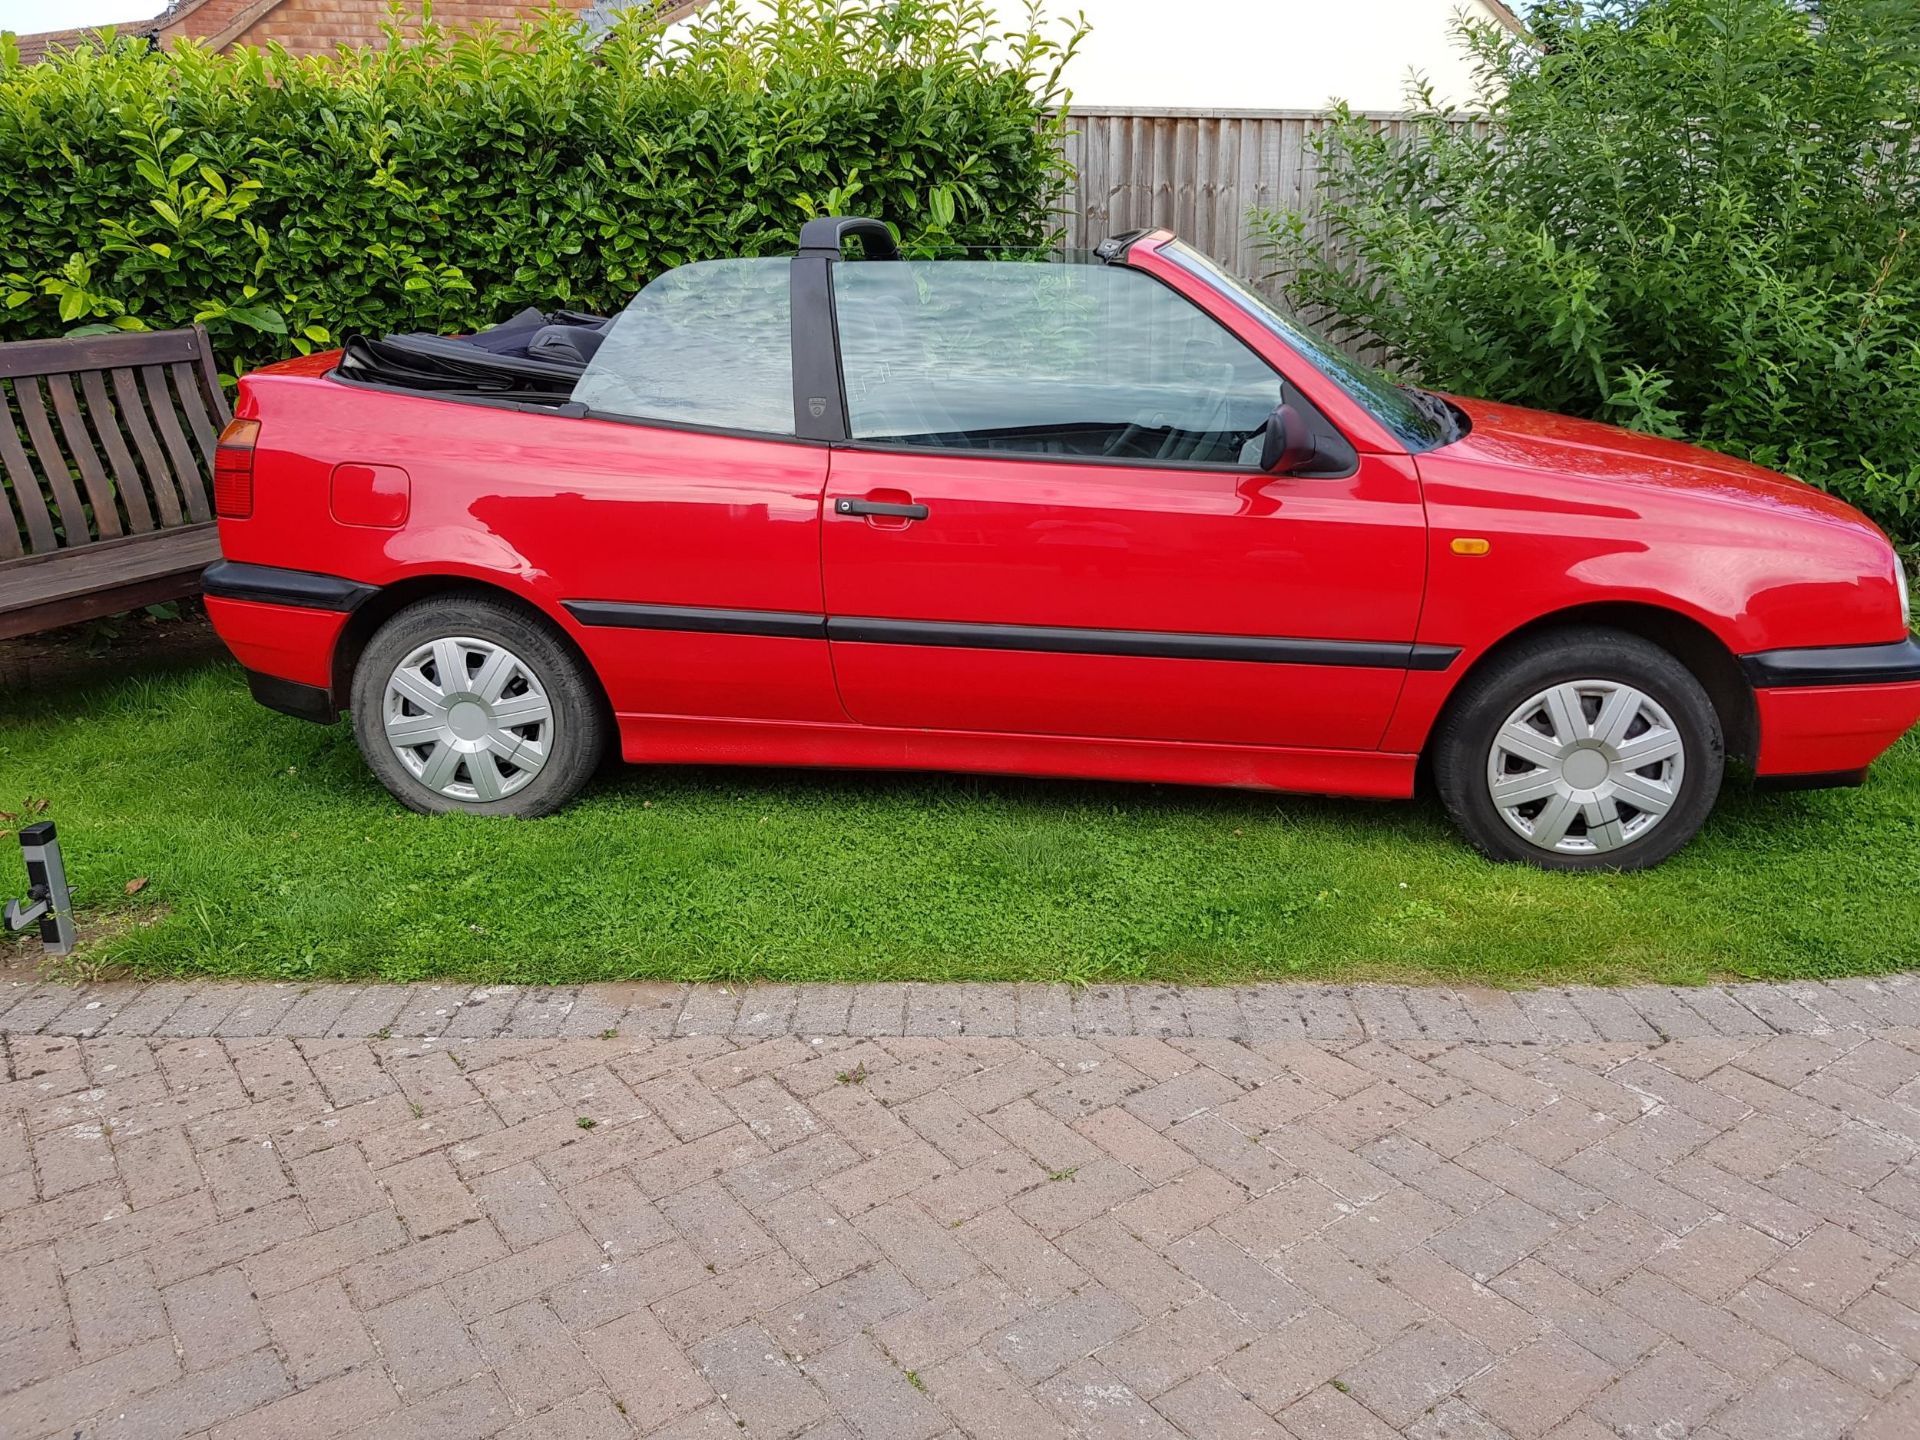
(306,27)
(209,18)
(316,27)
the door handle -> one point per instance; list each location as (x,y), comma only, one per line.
(891,508)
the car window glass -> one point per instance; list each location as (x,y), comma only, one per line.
(1392,405)
(707,344)
(1095,361)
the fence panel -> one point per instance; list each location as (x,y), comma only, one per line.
(1197,174)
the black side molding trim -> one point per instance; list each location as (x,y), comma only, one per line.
(231,580)
(622,615)
(1888,664)
(290,697)
(1157,644)
(1058,640)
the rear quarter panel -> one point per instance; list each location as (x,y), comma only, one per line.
(552,508)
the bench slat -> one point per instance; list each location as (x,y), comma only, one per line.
(42,592)
(31,503)
(10,548)
(204,432)
(210,378)
(33,409)
(193,485)
(133,415)
(80,444)
(126,479)
(100,352)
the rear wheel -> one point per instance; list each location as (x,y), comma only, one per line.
(463,703)
(1580,750)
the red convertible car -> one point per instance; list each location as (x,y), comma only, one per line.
(1114,518)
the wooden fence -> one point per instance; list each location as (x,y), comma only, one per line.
(1196,174)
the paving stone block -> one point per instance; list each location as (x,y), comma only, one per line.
(987,1401)
(326,1409)
(1295,1358)
(1415,1372)
(1671,1393)
(1861,1360)
(534,1357)
(424,1343)
(317,1330)
(873,1396)
(758,1383)
(1531,1391)
(1098,1406)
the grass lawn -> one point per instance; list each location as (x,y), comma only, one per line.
(267,850)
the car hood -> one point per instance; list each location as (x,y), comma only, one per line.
(1534,440)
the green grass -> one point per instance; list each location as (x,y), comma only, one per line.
(269,851)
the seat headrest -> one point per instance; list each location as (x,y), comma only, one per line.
(564,344)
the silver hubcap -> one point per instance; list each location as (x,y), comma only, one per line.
(1587,766)
(468,718)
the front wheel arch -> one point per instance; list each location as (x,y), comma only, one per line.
(1695,646)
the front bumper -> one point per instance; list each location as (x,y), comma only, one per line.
(1828,712)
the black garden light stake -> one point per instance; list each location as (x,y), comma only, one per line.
(48,900)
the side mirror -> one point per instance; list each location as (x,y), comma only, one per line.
(1289,444)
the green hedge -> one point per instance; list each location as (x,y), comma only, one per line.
(438,185)
(1694,217)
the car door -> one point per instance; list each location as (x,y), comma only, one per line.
(1050,518)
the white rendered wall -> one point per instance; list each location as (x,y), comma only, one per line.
(1198,55)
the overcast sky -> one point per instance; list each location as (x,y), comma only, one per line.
(27,16)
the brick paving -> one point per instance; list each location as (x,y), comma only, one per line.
(921,1212)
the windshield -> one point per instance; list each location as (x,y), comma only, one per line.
(1420,421)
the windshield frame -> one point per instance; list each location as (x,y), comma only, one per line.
(1397,409)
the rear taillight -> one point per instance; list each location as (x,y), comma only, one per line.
(233,470)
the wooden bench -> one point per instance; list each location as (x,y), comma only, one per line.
(106,445)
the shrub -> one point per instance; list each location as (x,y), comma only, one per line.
(1695,217)
(441,184)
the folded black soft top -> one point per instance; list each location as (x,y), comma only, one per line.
(535,355)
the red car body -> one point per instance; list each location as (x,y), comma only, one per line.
(754,622)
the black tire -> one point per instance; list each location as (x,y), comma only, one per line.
(1463,742)
(578,726)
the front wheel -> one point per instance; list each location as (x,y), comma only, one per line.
(463,703)
(1582,749)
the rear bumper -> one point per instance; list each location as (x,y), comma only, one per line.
(282,626)
(286,650)
(290,697)
(1829,712)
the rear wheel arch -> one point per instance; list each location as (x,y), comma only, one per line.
(1695,646)
(367,618)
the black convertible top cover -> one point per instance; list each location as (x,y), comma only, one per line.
(534,356)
